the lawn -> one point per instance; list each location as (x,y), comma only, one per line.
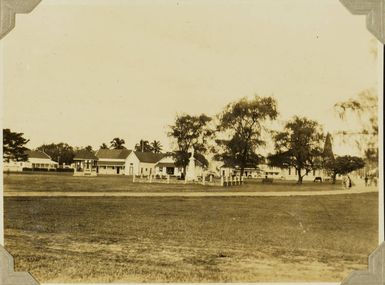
(207,239)
(65,182)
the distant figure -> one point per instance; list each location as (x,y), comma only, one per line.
(366,180)
(349,182)
(375,181)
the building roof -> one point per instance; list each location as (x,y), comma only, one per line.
(111,163)
(113,153)
(84,154)
(149,157)
(165,164)
(37,154)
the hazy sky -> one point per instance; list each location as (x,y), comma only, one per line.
(85,73)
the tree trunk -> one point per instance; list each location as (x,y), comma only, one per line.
(299,176)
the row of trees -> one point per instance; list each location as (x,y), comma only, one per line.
(240,130)
(236,135)
(14,148)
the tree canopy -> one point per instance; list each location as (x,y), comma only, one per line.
(117,143)
(363,107)
(103,146)
(59,152)
(14,146)
(190,132)
(242,122)
(156,146)
(298,146)
(143,146)
(344,165)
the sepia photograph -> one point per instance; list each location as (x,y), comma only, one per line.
(160,141)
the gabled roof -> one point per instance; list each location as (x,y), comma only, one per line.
(37,154)
(149,157)
(84,154)
(113,153)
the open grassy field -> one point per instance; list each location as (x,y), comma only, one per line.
(65,182)
(237,239)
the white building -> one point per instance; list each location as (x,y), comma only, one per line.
(112,161)
(142,163)
(37,160)
(263,171)
(166,166)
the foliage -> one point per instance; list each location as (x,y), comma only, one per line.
(143,146)
(242,121)
(345,164)
(103,146)
(89,148)
(298,146)
(61,152)
(14,146)
(364,107)
(156,146)
(190,132)
(117,143)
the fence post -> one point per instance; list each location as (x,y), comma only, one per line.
(203,179)
(150,178)
(133,178)
(168,179)
(211,178)
(222,181)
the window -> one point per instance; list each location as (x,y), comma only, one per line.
(296,171)
(160,168)
(289,170)
(313,172)
(141,170)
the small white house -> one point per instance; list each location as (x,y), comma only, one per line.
(142,163)
(37,160)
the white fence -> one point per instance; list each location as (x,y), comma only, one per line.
(208,180)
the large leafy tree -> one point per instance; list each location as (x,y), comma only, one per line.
(14,146)
(190,132)
(242,122)
(298,146)
(364,109)
(117,143)
(59,152)
(344,165)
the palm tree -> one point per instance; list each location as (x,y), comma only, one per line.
(103,146)
(143,146)
(117,143)
(156,146)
